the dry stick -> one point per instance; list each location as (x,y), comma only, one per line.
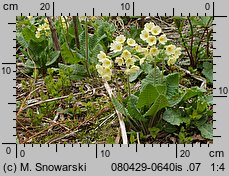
(54,35)
(193,63)
(49,100)
(87,48)
(120,117)
(76,31)
(199,78)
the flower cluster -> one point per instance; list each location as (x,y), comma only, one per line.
(152,35)
(104,69)
(43,29)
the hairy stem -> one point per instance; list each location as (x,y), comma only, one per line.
(76,31)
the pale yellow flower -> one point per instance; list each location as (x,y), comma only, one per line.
(93,18)
(148,26)
(101,56)
(126,54)
(152,40)
(119,61)
(154,51)
(172,60)
(30,17)
(116,47)
(131,42)
(162,39)
(106,77)
(177,52)
(129,61)
(127,71)
(120,39)
(106,71)
(138,48)
(99,69)
(40,28)
(107,63)
(134,69)
(82,18)
(170,49)
(156,30)
(46,21)
(145,51)
(47,33)
(38,34)
(45,26)
(144,35)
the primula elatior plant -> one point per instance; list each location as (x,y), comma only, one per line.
(131,55)
(159,94)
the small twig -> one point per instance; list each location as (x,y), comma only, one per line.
(107,118)
(52,99)
(138,139)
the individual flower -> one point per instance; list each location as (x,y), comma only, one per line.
(134,69)
(45,26)
(101,56)
(40,28)
(38,34)
(131,42)
(82,18)
(154,51)
(116,47)
(30,17)
(138,48)
(106,71)
(127,71)
(126,54)
(119,61)
(170,49)
(177,52)
(144,35)
(156,30)
(142,60)
(93,18)
(171,61)
(107,63)
(120,39)
(148,26)
(145,51)
(46,21)
(129,62)
(162,39)
(99,68)
(151,40)
(47,33)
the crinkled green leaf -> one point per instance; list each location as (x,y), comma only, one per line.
(206,130)
(132,109)
(208,71)
(119,106)
(159,103)
(154,131)
(174,117)
(78,71)
(69,55)
(155,77)
(134,76)
(192,92)
(53,57)
(172,82)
